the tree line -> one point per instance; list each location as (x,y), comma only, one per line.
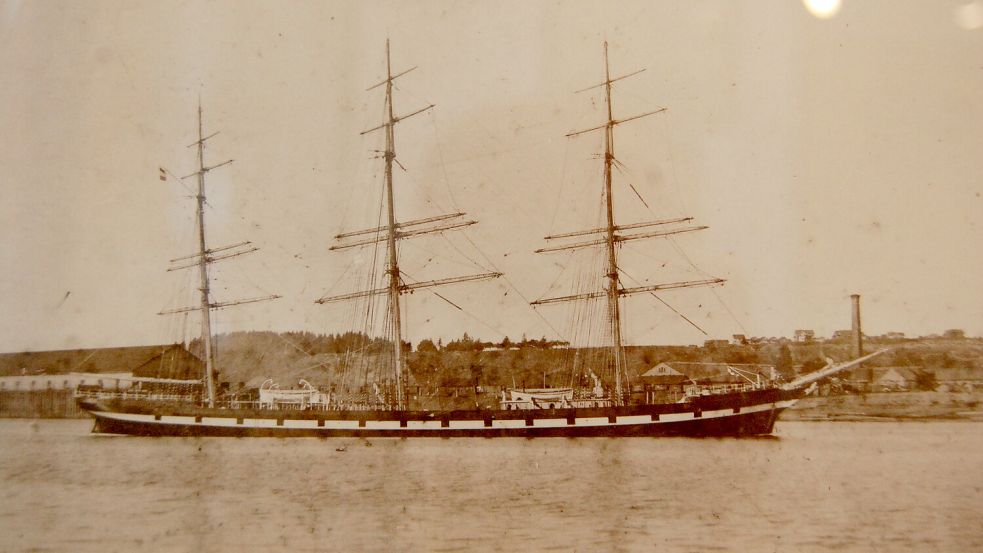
(467,343)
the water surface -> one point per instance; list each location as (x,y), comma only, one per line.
(814,487)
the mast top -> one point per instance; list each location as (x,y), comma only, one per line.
(611,122)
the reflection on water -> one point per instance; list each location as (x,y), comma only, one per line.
(818,487)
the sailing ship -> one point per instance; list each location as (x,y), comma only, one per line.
(603,407)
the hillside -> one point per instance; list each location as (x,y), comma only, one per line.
(251,357)
(246,357)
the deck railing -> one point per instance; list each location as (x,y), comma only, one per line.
(138,395)
(230,403)
(717,389)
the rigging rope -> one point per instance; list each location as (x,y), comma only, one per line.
(653,294)
(623,169)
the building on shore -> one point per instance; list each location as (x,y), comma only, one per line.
(804,336)
(43,384)
(668,381)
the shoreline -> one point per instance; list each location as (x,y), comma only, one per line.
(889,407)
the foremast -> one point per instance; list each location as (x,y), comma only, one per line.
(203,258)
(611,238)
(395,231)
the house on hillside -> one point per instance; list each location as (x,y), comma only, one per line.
(882,379)
(894,379)
(959,379)
(804,336)
(711,344)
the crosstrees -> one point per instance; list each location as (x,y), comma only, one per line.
(614,122)
(630,291)
(211,258)
(212,250)
(405,234)
(202,169)
(619,227)
(390,79)
(609,81)
(618,238)
(202,140)
(403,288)
(219,305)
(393,120)
(401,225)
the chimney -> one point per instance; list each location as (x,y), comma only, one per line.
(858,336)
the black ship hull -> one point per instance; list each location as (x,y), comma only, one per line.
(737,414)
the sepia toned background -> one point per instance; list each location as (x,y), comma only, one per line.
(829,155)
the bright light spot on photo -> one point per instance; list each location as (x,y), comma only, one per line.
(970,16)
(823,9)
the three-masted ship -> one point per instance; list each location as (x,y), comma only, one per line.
(605,407)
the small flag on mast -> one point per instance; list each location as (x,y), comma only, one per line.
(163,173)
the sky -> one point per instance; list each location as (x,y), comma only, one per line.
(828,155)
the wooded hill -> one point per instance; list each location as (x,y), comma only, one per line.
(248,356)
(251,357)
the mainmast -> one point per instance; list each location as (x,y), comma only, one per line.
(611,238)
(394,231)
(614,314)
(203,258)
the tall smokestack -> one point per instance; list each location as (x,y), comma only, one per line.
(858,336)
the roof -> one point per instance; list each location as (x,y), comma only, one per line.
(958,374)
(171,362)
(93,360)
(663,374)
(662,369)
(906,374)
(876,374)
(714,372)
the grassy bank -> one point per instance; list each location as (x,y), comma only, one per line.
(889,406)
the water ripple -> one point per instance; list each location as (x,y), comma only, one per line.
(816,487)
